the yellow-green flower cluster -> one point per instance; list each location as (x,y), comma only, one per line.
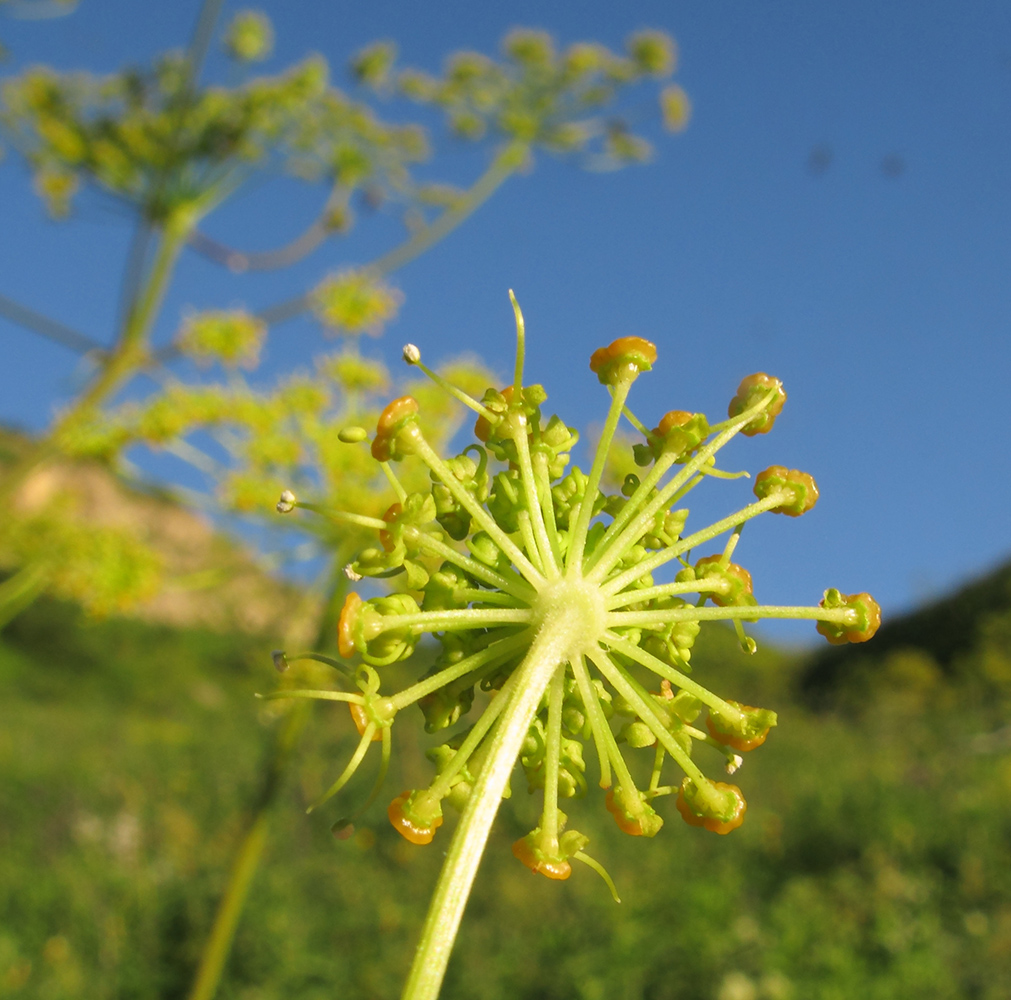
(543,592)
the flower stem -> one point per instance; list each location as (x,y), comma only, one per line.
(559,640)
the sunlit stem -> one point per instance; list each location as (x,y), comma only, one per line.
(654,779)
(706,534)
(625,779)
(357,758)
(500,650)
(345,517)
(635,502)
(598,722)
(605,558)
(636,422)
(728,549)
(746,642)
(578,539)
(547,504)
(457,618)
(601,871)
(523,520)
(621,683)
(314,695)
(457,393)
(384,767)
(514,585)
(521,346)
(391,477)
(746,613)
(552,761)
(480,729)
(678,679)
(484,597)
(663,590)
(478,513)
(556,641)
(532,494)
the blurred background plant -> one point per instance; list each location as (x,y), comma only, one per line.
(171,150)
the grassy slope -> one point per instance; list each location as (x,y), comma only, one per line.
(875,861)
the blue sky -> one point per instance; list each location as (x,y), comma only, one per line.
(838,213)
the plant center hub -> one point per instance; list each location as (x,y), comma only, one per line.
(574,609)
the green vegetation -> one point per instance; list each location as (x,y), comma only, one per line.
(875,861)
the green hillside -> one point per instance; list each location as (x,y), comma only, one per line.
(874,864)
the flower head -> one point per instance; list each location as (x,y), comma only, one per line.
(547,598)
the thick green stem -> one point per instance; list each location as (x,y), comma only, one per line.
(558,641)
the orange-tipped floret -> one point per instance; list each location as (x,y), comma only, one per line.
(632,813)
(622,360)
(529,854)
(392,420)
(361,721)
(679,432)
(753,389)
(801,486)
(868,622)
(745,731)
(416,829)
(391,516)
(737,579)
(716,806)
(483,427)
(346,623)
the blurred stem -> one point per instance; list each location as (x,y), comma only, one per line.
(58,333)
(128,355)
(247,857)
(250,850)
(20,589)
(504,165)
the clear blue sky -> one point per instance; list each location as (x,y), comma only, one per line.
(838,214)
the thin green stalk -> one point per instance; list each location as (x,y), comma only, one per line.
(553,748)
(578,539)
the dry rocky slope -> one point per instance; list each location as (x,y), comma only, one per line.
(211,581)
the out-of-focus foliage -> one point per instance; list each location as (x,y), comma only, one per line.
(232,338)
(354,302)
(174,148)
(537,95)
(874,863)
(250,36)
(286,438)
(149,136)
